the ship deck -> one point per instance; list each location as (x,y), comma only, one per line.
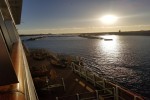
(73,83)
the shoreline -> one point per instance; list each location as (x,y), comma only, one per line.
(92,35)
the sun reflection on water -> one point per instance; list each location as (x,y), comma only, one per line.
(110,48)
(114,37)
(110,59)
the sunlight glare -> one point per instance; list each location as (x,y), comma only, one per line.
(109,19)
(109,37)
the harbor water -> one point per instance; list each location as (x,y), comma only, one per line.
(125,59)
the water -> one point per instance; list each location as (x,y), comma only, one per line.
(124,60)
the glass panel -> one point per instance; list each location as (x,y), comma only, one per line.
(7,73)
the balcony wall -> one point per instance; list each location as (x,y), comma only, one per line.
(24,89)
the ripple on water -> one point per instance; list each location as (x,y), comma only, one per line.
(126,59)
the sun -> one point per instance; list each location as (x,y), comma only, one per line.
(109,19)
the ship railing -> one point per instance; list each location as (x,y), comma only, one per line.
(88,75)
(30,90)
(96,95)
(102,83)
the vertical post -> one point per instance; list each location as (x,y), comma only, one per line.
(78,98)
(96,94)
(80,71)
(94,80)
(72,66)
(86,76)
(116,93)
(47,83)
(63,84)
(103,83)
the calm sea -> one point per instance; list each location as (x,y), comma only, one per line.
(126,59)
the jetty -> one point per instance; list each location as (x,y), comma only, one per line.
(90,36)
(36,38)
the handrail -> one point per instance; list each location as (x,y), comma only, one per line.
(77,69)
(17,63)
(125,91)
(30,89)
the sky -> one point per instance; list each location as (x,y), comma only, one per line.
(82,16)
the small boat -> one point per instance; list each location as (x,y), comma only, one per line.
(108,39)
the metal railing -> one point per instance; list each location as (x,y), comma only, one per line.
(30,91)
(119,92)
(98,94)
